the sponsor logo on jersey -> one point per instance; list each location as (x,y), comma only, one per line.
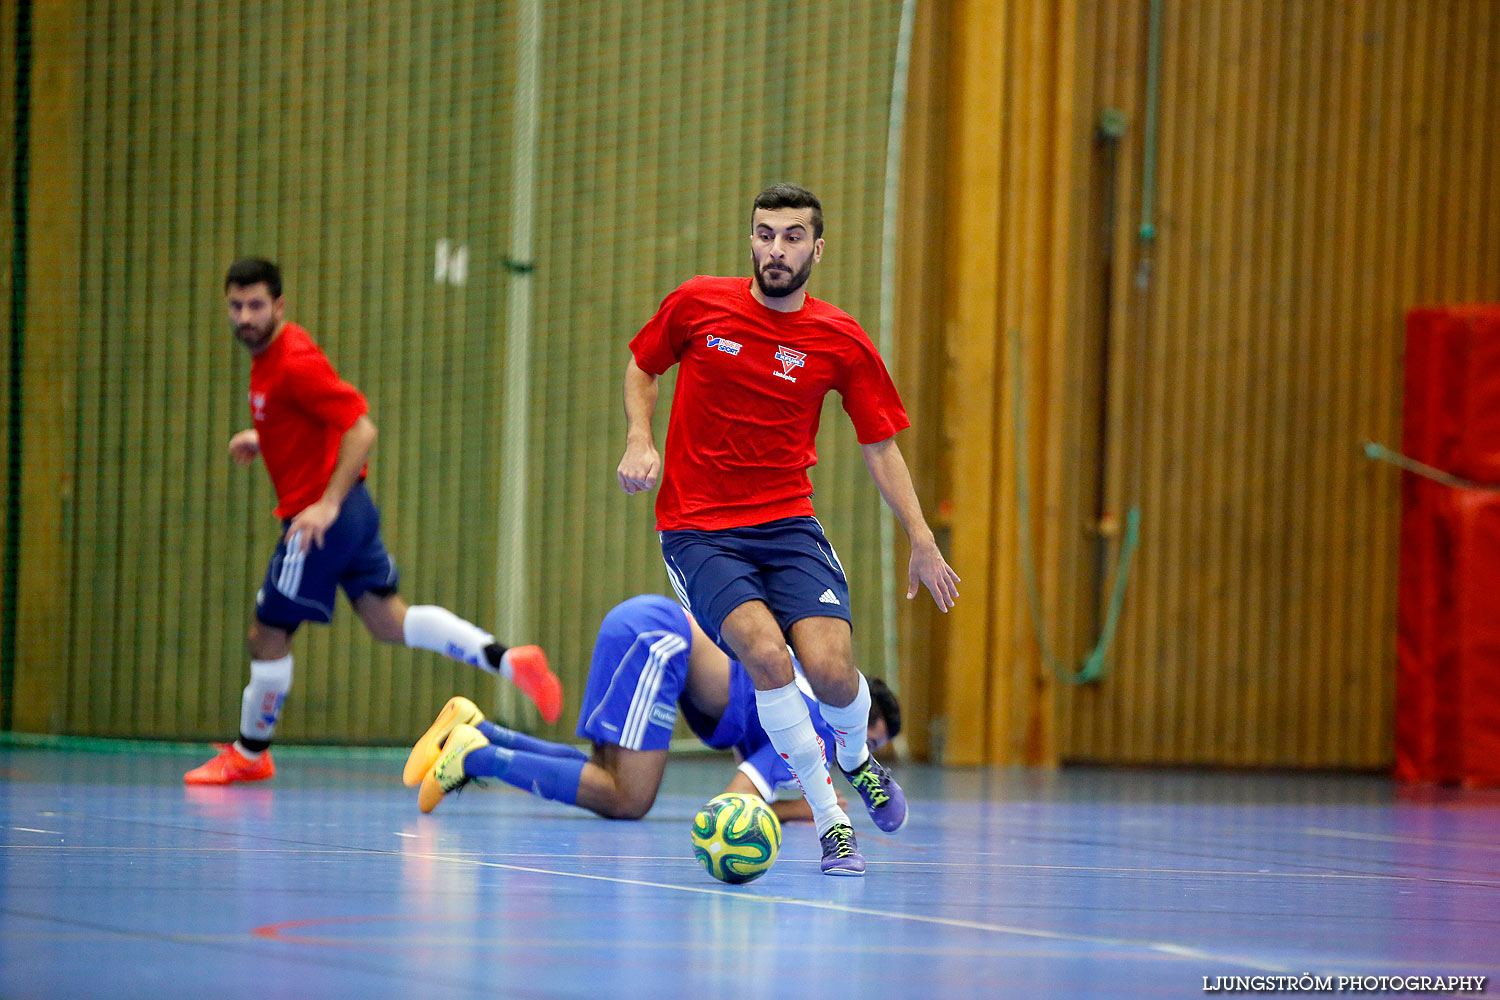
(727,346)
(789,359)
(828,597)
(664,715)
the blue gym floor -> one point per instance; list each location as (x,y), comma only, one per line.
(118,881)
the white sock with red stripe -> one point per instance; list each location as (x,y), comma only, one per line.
(784,716)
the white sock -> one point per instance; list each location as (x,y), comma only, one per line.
(428,626)
(851,726)
(784,716)
(270,680)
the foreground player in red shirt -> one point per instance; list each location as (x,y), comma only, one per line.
(742,548)
(312,430)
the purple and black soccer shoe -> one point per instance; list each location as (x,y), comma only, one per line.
(884,799)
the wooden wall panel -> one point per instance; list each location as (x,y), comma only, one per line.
(54,217)
(922,363)
(1006,113)
(971,250)
(1323,167)
(9,57)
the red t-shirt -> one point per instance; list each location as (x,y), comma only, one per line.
(749,395)
(301,410)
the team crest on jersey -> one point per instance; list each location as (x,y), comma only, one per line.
(258,405)
(727,346)
(789,359)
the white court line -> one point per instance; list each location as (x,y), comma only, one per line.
(1328,876)
(1387,838)
(1159,947)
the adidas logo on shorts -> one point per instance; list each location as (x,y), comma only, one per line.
(828,597)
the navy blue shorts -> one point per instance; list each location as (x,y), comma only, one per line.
(788,564)
(301,586)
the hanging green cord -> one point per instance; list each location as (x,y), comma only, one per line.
(1092,669)
(1380,453)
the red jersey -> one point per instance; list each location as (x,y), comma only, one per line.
(749,394)
(301,410)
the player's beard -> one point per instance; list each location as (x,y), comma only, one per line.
(255,337)
(785,286)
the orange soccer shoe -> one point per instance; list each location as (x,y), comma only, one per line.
(231,766)
(459,711)
(447,775)
(530,673)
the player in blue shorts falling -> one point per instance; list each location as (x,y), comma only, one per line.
(649,660)
(755,358)
(312,430)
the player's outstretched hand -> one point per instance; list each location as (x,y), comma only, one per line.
(929,568)
(311,524)
(244,446)
(639,468)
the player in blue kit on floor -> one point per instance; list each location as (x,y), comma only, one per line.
(649,660)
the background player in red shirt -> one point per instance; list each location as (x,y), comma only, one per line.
(742,548)
(313,432)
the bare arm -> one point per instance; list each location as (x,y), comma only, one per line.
(641,465)
(928,567)
(354,450)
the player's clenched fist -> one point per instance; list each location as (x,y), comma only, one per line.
(639,468)
(244,446)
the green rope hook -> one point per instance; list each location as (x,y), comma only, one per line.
(1092,669)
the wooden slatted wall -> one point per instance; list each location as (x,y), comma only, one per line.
(996,204)
(1322,168)
(53,220)
(345,142)
(924,670)
(8,58)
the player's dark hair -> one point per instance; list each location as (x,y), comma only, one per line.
(883,705)
(786,195)
(249,271)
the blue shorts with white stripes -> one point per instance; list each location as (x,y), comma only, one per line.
(789,564)
(639,668)
(301,586)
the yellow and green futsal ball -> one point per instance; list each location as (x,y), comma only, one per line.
(737,837)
